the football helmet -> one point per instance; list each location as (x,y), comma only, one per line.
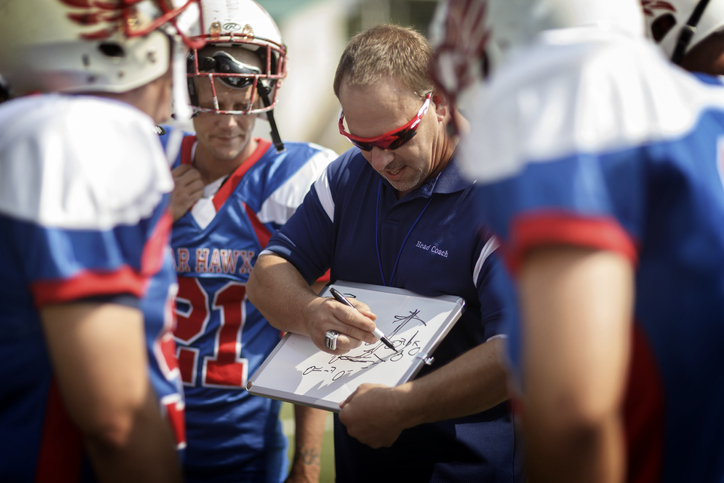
(243,24)
(91,45)
(678,25)
(472,37)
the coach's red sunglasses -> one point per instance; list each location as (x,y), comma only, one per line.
(390,140)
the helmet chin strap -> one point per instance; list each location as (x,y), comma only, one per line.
(687,32)
(264,92)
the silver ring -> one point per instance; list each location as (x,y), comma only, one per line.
(330,340)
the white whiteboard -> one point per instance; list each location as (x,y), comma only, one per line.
(298,372)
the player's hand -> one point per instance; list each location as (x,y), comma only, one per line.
(354,326)
(374,414)
(188,189)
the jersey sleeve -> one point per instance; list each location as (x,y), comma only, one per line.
(584,200)
(99,224)
(306,240)
(62,265)
(301,166)
(561,158)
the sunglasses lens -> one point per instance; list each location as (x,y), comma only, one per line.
(223,63)
(399,139)
(236,82)
(402,138)
(361,145)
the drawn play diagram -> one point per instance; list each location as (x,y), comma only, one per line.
(298,372)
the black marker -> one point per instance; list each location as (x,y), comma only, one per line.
(377,332)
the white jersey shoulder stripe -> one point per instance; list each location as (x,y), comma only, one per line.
(282,204)
(79,162)
(321,186)
(563,97)
(489,247)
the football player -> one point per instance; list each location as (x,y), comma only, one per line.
(600,166)
(232,192)
(84,223)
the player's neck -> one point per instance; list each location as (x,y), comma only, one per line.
(212,167)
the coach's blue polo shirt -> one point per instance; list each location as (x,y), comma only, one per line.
(429,242)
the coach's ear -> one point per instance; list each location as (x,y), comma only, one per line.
(442,105)
(451,118)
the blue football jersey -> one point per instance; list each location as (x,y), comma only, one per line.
(222,338)
(595,140)
(83,214)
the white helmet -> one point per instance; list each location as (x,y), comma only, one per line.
(473,36)
(239,24)
(678,25)
(89,45)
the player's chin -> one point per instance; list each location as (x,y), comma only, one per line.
(227,153)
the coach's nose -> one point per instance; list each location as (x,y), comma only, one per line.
(379,158)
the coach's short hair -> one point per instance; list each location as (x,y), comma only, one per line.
(392,51)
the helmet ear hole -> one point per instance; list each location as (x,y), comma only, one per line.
(112,49)
(661,26)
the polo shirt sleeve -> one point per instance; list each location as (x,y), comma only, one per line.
(496,292)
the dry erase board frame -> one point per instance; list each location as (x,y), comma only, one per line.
(297,372)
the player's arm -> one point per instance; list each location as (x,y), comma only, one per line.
(98,352)
(576,316)
(308,435)
(286,300)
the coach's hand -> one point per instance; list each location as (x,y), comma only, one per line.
(375,414)
(353,325)
(188,189)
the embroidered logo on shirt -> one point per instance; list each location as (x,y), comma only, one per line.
(432,249)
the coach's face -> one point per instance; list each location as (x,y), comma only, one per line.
(384,106)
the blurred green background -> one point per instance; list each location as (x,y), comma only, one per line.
(327,457)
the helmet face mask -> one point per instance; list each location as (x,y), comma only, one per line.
(215,69)
(228,30)
(225,85)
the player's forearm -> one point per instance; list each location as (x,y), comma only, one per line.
(560,447)
(308,436)
(146,455)
(99,357)
(473,382)
(281,294)
(576,319)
